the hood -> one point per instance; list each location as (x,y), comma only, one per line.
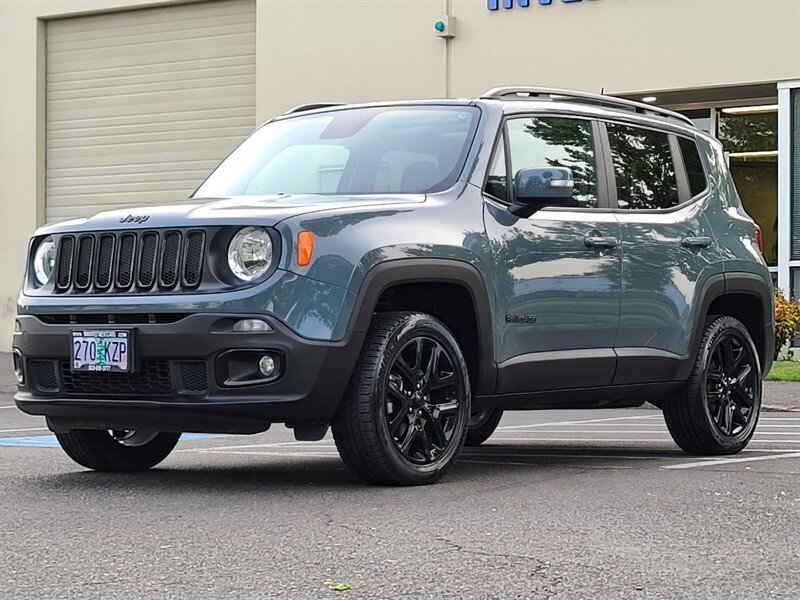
(238,210)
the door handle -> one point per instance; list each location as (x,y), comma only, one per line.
(696,242)
(593,241)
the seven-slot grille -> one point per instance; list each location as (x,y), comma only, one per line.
(138,261)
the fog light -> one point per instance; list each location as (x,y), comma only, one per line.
(251,326)
(17,326)
(266,365)
(19,372)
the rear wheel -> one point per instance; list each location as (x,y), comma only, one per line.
(405,414)
(717,410)
(117,450)
(482,424)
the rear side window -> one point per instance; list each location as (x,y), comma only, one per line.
(644,168)
(694,166)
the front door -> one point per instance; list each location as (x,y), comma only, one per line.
(557,273)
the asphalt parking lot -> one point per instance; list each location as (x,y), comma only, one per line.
(564,504)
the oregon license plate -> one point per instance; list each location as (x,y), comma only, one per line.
(101,350)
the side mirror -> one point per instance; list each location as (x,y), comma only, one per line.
(536,188)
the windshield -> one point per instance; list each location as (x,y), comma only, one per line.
(358,151)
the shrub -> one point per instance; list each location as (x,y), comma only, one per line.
(787,320)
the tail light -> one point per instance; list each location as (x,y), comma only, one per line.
(759,240)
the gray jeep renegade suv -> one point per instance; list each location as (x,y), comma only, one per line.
(404,272)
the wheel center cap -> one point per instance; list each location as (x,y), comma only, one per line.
(417,400)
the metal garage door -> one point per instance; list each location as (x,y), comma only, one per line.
(142,104)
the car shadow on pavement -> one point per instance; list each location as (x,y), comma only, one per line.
(275,474)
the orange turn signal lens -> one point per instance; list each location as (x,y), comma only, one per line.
(305,246)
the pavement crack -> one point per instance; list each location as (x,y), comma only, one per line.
(460,548)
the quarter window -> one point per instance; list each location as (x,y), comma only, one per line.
(694,166)
(543,142)
(497,182)
(643,166)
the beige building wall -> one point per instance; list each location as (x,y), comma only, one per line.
(355,50)
(625,46)
(347,51)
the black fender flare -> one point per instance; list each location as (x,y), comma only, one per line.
(754,285)
(724,284)
(432,270)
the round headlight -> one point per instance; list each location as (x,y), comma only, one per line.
(44,260)
(250,253)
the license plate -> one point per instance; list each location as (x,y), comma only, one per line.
(106,351)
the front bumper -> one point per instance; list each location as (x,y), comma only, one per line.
(179,383)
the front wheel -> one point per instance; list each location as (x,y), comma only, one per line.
(117,450)
(717,410)
(406,411)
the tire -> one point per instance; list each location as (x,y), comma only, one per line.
(103,450)
(482,425)
(717,410)
(400,424)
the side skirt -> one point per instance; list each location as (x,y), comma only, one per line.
(614,396)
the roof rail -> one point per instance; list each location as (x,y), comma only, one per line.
(568,96)
(312,106)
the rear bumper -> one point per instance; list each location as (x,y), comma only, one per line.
(180,377)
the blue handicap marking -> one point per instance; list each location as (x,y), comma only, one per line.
(48,440)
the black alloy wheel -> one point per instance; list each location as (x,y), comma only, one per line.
(732,385)
(422,400)
(717,410)
(405,414)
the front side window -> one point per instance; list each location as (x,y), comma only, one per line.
(417,149)
(543,142)
(643,166)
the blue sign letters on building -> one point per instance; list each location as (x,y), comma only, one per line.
(495,4)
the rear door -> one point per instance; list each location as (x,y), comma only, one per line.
(668,249)
(557,293)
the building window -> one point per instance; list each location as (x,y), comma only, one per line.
(795,173)
(749,135)
(701,118)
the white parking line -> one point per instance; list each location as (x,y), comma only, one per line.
(663,426)
(246,446)
(727,461)
(639,431)
(24,429)
(553,455)
(302,453)
(510,427)
(505,463)
(653,439)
